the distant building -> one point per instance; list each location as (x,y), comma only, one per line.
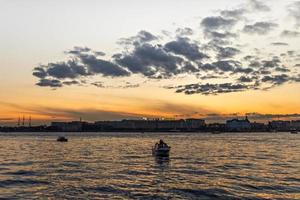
(73,126)
(152,125)
(255,126)
(193,124)
(238,125)
(280,125)
(125,125)
(295,125)
(216,127)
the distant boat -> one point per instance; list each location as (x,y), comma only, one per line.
(61,139)
(294,131)
(161,149)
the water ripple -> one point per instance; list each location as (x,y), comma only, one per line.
(120,166)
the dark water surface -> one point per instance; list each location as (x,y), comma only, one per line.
(120,166)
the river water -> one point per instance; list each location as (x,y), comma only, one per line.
(120,166)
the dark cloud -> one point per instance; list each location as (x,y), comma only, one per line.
(264,72)
(276,79)
(105,68)
(151,57)
(226,66)
(254,64)
(275,62)
(245,79)
(259,28)
(243,70)
(99,53)
(184,47)
(215,23)
(290,34)
(189,67)
(54,83)
(211,89)
(221,66)
(98,84)
(62,70)
(151,61)
(83,63)
(279,44)
(243,83)
(220,35)
(74,82)
(227,52)
(282,69)
(39,72)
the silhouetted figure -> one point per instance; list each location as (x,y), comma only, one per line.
(161,144)
(161,149)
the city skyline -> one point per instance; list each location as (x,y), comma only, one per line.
(101,60)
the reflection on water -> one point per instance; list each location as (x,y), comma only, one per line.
(120,166)
(162,162)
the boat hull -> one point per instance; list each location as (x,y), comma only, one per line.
(161,152)
(62,139)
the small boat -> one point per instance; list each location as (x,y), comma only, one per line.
(161,149)
(61,139)
(294,131)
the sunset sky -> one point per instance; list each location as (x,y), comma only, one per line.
(115,59)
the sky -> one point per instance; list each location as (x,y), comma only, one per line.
(113,59)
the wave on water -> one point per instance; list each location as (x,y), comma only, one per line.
(200,166)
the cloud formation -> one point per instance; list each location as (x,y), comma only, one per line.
(212,53)
(183,46)
(208,89)
(152,61)
(217,22)
(259,28)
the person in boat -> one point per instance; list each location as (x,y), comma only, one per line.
(162,144)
